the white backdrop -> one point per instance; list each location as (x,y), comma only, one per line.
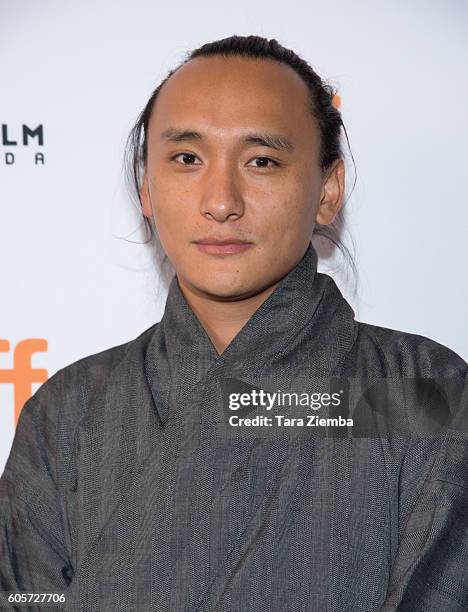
(83,71)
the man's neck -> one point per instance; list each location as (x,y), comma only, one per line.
(223,319)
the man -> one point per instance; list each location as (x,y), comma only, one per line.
(128,488)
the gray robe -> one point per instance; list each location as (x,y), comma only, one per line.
(126,489)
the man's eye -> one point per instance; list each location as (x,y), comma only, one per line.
(187,157)
(264,162)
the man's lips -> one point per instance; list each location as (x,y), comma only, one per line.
(222,246)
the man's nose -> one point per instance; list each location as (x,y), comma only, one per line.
(222,195)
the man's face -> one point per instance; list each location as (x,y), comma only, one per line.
(228,184)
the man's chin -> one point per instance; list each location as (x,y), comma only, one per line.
(225,287)
(226,292)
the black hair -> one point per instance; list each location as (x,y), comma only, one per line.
(322,107)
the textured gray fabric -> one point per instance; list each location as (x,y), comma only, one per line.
(122,491)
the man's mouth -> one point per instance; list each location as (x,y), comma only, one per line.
(222,246)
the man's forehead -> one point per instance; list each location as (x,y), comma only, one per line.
(214,104)
(212,68)
(234,81)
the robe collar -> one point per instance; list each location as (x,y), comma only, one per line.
(305,321)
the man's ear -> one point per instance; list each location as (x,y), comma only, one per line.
(331,199)
(145,197)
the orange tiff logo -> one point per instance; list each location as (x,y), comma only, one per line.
(22,375)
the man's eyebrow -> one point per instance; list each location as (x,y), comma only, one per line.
(179,135)
(267,139)
(263,139)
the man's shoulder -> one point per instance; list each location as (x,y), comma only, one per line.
(409,354)
(73,386)
(50,417)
